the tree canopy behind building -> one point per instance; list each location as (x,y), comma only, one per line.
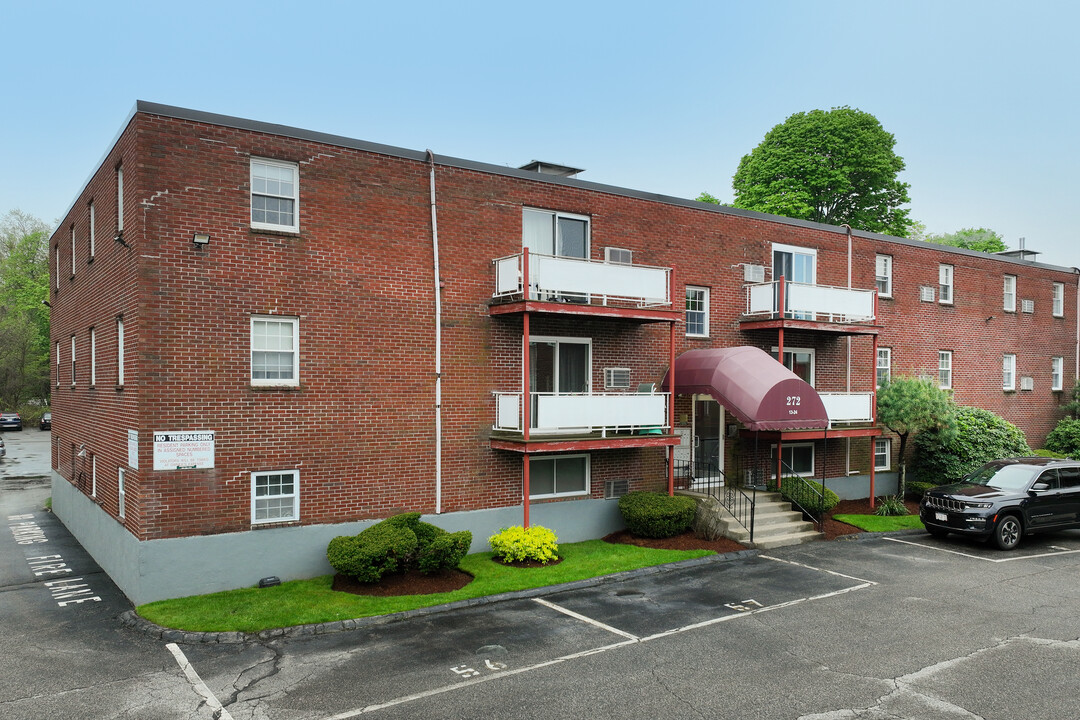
(24,319)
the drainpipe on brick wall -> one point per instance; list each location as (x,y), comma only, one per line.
(847,444)
(438,340)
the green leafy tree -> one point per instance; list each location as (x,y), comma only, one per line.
(981,239)
(708,198)
(835,166)
(979,436)
(1073,406)
(24,319)
(911,405)
(1064,439)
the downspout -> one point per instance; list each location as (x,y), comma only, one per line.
(847,443)
(438,340)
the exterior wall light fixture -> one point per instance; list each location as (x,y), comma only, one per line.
(200,239)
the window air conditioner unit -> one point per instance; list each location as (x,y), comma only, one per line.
(618,255)
(1027,306)
(615,488)
(616,377)
(1027,383)
(926,293)
(754,273)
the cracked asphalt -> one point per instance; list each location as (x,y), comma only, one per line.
(877,628)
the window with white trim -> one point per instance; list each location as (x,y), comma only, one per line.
(121,492)
(697,311)
(882,453)
(558,476)
(93,232)
(883,274)
(796,459)
(1057,373)
(57,363)
(1008,371)
(73,360)
(944,359)
(119,199)
(93,475)
(555,233)
(274,355)
(1008,302)
(800,361)
(1059,299)
(945,284)
(120,351)
(57,249)
(275,496)
(93,357)
(275,195)
(72,251)
(884,365)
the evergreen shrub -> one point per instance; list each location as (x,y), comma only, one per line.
(657,515)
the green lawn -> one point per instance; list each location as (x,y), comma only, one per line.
(301,602)
(879,523)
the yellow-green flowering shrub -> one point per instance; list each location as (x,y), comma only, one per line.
(515,544)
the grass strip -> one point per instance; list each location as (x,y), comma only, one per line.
(881,523)
(300,602)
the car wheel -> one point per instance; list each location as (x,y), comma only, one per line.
(1007,532)
(937,532)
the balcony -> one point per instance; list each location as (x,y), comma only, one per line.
(576,286)
(582,421)
(809,307)
(848,407)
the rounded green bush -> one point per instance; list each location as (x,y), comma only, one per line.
(1050,454)
(377,550)
(517,544)
(444,552)
(829,498)
(941,458)
(917,488)
(656,515)
(1065,438)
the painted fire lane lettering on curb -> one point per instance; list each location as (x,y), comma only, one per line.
(65,591)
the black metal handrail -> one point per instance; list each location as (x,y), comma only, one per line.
(802,494)
(707,477)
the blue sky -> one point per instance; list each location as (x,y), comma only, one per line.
(662,97)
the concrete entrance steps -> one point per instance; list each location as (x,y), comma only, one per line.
(775,523)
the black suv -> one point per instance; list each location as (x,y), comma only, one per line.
(1006,499)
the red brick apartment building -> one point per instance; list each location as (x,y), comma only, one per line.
(265,337)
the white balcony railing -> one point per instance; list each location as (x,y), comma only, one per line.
(810,302)
(584,412)
(848,407)
(558,277)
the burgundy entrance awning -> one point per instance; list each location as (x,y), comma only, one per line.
(754,387)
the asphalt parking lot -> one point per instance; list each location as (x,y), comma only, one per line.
(29,453)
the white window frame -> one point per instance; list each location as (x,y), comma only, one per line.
(1008,371)
(793,350)
(57,266)
(791,446)
(120,351)
(1057,373)
(556,459)
(121,492)
(93,357)
(255,497)
(93,231)
(946,276)
(72,251)
(556,235)
(883,352)
(275,382)
(702,297)
(794,250)
(93,475)
(886,452)
(295,197)
(1008,300)
(945,368)
(119,199)
(1059,300)
(883,267)
(72,361)
(59,366)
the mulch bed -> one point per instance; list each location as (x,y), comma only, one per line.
(685,541)
(835,528)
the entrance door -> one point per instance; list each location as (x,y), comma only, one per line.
(558,366)
(708,446)
(798,266)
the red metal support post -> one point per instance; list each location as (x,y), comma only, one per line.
(671,389)
(526,389)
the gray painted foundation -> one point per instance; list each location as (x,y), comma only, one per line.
(857,487)
(176,567)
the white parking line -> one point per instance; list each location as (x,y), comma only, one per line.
(1011,558)
(197,684)
(579,616)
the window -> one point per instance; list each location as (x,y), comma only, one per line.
(92,232)
(1008,302)
(554,233)
(882,453)
(558,476)
(884,275)
(945,284)
(58,364)
(274,357)
(1059,299)
(72,251)
(884,366)
(275,496)
(275,193)
(93,476)
(799,361)
(697,311)
(120,351)
(93,358)
(795,458)
(57,250)
(1008,372)
(798,265)
(119,199)
(1057,372)
(121,492)
(73,360)
(944,360)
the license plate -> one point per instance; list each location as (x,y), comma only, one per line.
(941,517)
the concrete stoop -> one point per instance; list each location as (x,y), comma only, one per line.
(775,523)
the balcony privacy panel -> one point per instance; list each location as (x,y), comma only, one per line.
(589,411)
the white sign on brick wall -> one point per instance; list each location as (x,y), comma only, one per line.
(133,449)
(192,450)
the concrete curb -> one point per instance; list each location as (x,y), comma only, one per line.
(133,620)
